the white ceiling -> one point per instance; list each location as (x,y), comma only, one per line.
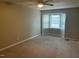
(57,3)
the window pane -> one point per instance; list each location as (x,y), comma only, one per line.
(55,21)
(45,21)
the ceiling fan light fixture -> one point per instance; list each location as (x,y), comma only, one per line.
(40,5)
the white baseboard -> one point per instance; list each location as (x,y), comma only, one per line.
(12,45)
(73,39)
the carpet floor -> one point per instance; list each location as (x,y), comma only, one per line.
(43,47)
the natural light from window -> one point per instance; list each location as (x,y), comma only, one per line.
(55,21)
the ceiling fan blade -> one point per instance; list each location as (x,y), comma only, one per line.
(48,1)
(49,4)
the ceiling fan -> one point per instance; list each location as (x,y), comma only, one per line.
(39,3)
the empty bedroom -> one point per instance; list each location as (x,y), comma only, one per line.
(39,28)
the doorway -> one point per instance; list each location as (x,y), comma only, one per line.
(53,24)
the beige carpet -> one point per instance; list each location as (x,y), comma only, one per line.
(44,46)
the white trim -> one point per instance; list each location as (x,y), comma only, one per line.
(12,45)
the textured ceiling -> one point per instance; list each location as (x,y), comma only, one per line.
(57,3)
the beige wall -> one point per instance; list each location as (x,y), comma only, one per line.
(32,22)
(16,20)
(72,21)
